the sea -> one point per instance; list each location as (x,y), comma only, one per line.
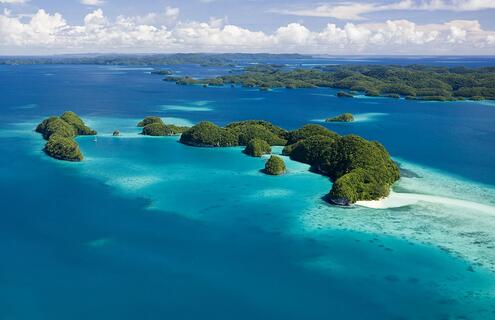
(148,228)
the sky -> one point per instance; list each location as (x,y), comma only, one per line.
(333,27)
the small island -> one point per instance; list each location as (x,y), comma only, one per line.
(154,126)
(360,169)
(257,147)
(60,133)
(345,117)
(343,94)
(165,72)
(274,166)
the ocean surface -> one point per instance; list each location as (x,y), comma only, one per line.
(147,228)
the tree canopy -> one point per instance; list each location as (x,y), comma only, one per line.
(275,166)
(413,82)
(257,147)
(60,133)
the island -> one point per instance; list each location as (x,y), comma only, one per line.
(274,166)
(343,94)
(202,59)
(165,72)
(257,147)
(411,82)
(345,117)
(154,126)
(208,134)
(60,133)
(359,169)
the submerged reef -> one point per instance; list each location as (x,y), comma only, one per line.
(345,117)
(154,126)
(359,169)
(60,133)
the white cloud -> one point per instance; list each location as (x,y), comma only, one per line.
(92,2)
(167,17)
(355,11)
(13,1)
(50,33)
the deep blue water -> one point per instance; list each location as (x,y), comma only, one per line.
(151,229)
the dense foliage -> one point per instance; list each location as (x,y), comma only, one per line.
(57,125)
(345,117)
(160,129)
(203,59)
(75,121)
(349,153)
(248,130)
(360,169)
(150,120)
(60,133)
(239,133)
(63,148)
(413,82)
(257,147)
(309,150)
(307,131)
(275,166)
(207,134)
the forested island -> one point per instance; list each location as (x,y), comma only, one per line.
(410,82)
(274,166)
(345,117)
(360,169)
(60,133)
(154,126)
(202,59)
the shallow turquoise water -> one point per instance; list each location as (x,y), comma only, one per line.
(149,228)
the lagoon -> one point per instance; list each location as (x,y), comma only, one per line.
(148,228)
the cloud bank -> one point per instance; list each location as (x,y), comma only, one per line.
(46,33)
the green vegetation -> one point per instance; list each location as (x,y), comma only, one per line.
(377,172)
(149,120)
(159,129)
(307,131)
(248,130)
(60,133)
(63,148)
(57,125)
(360,169)
(309,150)
(207,134)
(345,117)
(203,59)
(74,120)
(257,147)
(413,82)
(154,126)
(275,166)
